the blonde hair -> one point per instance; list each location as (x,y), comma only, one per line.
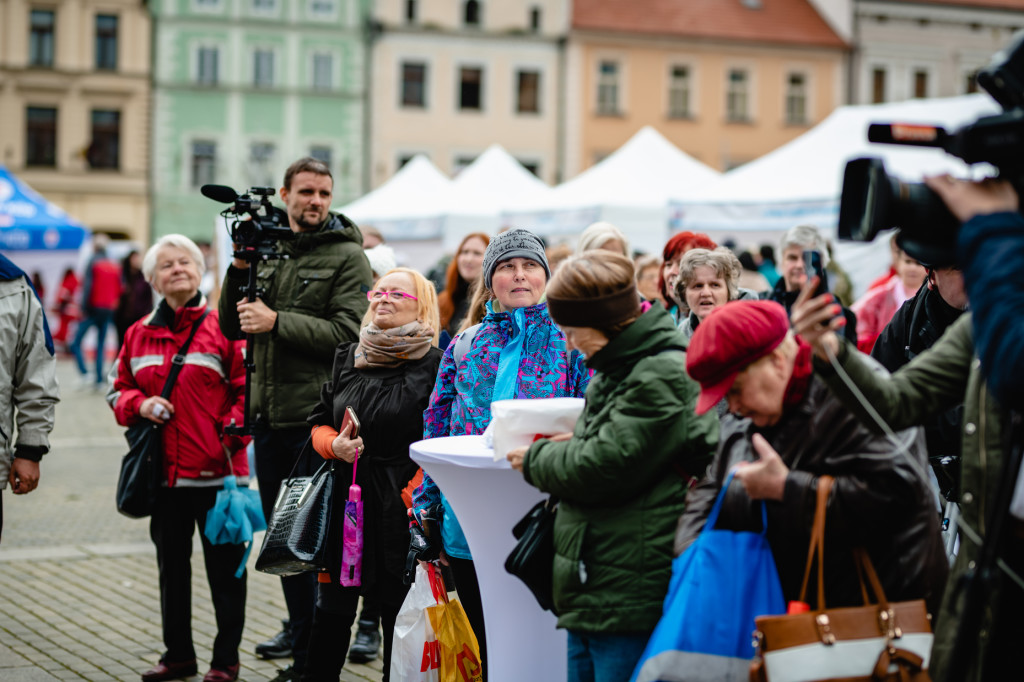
(723,261)
(426,300)
(600,233)
(479,295)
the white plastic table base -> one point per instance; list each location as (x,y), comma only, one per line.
(488,498)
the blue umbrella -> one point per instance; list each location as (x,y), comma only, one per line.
(235,516)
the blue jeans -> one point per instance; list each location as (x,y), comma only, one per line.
(100,319)
(598,657)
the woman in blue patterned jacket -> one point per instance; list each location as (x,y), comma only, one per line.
(516,352)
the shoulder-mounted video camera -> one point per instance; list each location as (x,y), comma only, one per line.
(255,223)
(873,200)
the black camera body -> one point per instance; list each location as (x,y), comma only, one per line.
(873,200)
(256,224)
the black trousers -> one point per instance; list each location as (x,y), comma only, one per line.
(332,626)
(175,516)
(469,594)
(276,452)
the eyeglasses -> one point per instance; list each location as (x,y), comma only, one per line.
(377,294)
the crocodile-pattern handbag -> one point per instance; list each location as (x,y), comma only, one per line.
(296,539)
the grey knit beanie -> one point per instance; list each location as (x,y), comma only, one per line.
(517,243)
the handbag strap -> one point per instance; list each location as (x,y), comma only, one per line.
(817,546)
(178,360)
(866,567)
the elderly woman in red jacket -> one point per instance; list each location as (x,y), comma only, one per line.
(197,454)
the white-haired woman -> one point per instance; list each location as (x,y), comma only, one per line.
(206,396)
(603,236)
(708,280)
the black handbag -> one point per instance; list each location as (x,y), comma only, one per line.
(296,539)
(142,468)
(533,557)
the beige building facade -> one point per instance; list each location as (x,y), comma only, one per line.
(722,103)
(74,101)
(451,77)
(915,48)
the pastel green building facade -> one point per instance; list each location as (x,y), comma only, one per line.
(241,88)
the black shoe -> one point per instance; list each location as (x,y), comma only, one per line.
(278,646)
(286,675)
(364,648)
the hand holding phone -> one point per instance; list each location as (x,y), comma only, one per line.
(350,419)
(813,268)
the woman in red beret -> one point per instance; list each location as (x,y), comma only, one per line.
(785,430)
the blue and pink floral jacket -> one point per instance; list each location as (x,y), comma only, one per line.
(461,401)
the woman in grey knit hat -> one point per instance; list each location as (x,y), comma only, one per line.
(516,352)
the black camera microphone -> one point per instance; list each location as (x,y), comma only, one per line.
(220,193)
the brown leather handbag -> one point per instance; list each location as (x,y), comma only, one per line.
(880,641)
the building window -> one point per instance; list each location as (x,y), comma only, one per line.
(40,38)
(532,166)
(321,8)
(322,153)
(207,63)
(40,136)
(608,88)
(261,164)
(263,68)
(265,6)
(414,84)
(323,71)
(877,86)
(461,164)
(971,83)
(471,82)
(410,11)
(105,148)
(203,161)
(679,92)
(471,13)
(528,92)
(920,83)
(535,19)
(106,41)
(796,99)
(737,96)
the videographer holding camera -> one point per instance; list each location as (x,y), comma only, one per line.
(313,297)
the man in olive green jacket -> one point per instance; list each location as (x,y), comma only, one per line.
(312,301)
(931,383)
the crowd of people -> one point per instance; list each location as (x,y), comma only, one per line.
(698,363)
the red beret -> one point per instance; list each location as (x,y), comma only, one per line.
(728,340)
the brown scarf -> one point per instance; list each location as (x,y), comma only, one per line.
(390,347)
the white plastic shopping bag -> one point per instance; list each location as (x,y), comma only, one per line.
(515,423)
(415,656)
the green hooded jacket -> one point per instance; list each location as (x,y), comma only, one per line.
(620,493)
(939,378)
(319,294)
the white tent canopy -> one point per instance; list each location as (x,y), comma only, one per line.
(800,182)
(630,188)
(406,206)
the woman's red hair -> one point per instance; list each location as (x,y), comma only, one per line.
(677,245)
(454,285)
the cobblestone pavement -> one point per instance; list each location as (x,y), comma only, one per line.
(79,596)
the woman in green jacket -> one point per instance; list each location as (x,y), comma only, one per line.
(623,475)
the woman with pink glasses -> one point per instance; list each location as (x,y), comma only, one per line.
(386,378)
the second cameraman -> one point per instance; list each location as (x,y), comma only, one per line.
(311,301)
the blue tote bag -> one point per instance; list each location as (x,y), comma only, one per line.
(719,585)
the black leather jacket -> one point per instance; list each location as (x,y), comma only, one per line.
(881,500)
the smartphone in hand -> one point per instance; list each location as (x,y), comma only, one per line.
(350,418)
(813,268)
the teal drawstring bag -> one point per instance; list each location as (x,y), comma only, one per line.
(235,516)
(719,585)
